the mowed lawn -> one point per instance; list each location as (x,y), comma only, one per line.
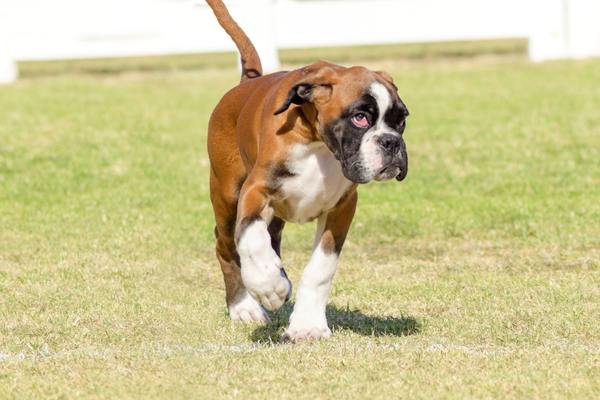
(479,276)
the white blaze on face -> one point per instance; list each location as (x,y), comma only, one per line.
(370,152)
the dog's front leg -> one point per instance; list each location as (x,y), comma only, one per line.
(308,320)
(262,269)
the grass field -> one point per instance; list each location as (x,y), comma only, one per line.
(477,277)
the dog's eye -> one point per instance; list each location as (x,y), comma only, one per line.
(360,120)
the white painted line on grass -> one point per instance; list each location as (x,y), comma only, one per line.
(178,350)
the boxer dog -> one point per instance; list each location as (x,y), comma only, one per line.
(292,147)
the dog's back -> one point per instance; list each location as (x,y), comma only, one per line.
(232,125)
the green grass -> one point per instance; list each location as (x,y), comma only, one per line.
(479,276)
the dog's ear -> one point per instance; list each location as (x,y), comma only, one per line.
(315,86)
(306,93)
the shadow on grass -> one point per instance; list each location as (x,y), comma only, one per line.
(340,319)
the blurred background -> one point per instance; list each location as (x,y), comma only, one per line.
(36,30)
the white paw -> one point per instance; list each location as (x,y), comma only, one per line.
(246,309)
(304,326)
(266,281)
(262,270)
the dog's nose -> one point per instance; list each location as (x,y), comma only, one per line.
(390,143)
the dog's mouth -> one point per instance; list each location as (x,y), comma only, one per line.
(403,169)
(386,173)
(397,168)
(391,171)
(400,177)
(354,169)
(355,173)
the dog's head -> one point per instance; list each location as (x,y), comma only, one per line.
(358,114)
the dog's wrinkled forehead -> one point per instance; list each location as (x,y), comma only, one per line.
(382,97)
(389,110)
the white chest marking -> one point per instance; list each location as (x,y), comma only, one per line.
(317,185)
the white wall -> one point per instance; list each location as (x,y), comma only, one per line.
(390,21)
(55,29)
(42,29)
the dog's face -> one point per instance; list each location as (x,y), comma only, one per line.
(367,136)
(360,117)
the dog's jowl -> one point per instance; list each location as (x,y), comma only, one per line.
(293,147)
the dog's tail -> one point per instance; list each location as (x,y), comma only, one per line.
(251,67)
